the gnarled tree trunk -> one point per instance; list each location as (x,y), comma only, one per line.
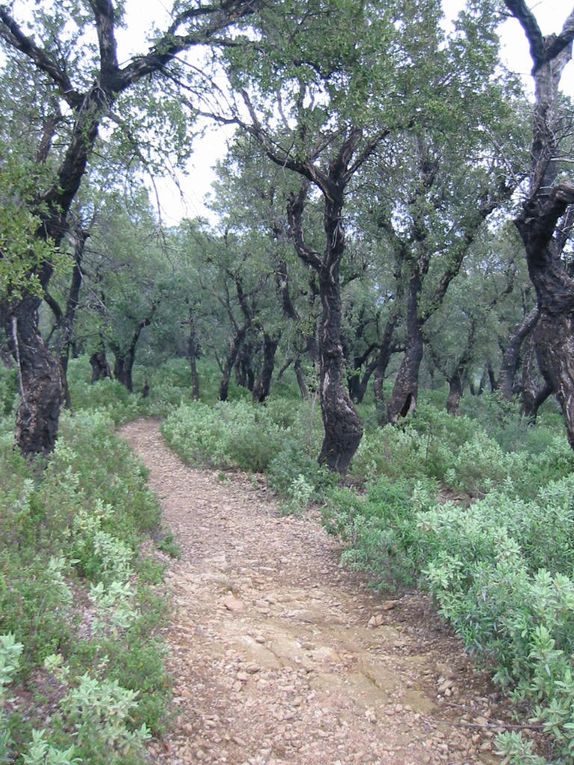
(406,387)
(100,367)
(547,204)
(40,380)
(533,393)
(263,382)
(511,355)
(343,428)
(455,389)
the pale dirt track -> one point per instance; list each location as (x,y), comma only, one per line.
(270,646)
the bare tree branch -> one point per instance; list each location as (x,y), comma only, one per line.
(15,37)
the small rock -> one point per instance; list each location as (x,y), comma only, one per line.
(232,603)
(388,605)
(376,620)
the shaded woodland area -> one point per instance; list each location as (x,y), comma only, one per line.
(373,211)
(384,292)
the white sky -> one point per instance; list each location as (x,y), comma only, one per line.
(143,15)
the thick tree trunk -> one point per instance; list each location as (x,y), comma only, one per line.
(40,378)
(511,355)
(123,369)
(554,337)
(544,218)
(244,374)
(343,428)
(383,358)
(406,387)
(533,392)
(193,355)
(233,352)
(263,382)
(455,389)
(100,367)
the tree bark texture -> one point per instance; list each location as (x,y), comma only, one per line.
(100,367)
(343,428)
(533,392)
(455,390)
(262,385)
(405,390)
(546,205)
(232,354)
(511,355)
(40,380)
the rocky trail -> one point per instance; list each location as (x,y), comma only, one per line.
(279,655)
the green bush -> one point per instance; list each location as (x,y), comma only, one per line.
(71,596)
(380,528)
(230,434)
(8,389)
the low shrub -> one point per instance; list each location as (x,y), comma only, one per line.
(72,599)
(230,434)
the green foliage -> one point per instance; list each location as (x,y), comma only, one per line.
(74,601)
(230,434)
(500,568)
(380,528)
(20,217)
(8,390)
(107,396)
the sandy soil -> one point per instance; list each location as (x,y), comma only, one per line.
(279,655)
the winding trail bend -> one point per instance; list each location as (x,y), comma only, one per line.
(273,657)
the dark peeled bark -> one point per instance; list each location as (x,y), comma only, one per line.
(406,388)
(511,355)
(100,367)
(544,218)
(65,320)
(455,389)
(343,428)
(263,382)
(231,358)
(383,357)
(534,392)
(123,368)
(244,374)
(554,337)
(40,380)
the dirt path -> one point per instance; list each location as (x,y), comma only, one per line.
(274,657)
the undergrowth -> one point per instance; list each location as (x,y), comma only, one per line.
(477,509)
(77,613)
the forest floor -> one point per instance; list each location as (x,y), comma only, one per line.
(279,655)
